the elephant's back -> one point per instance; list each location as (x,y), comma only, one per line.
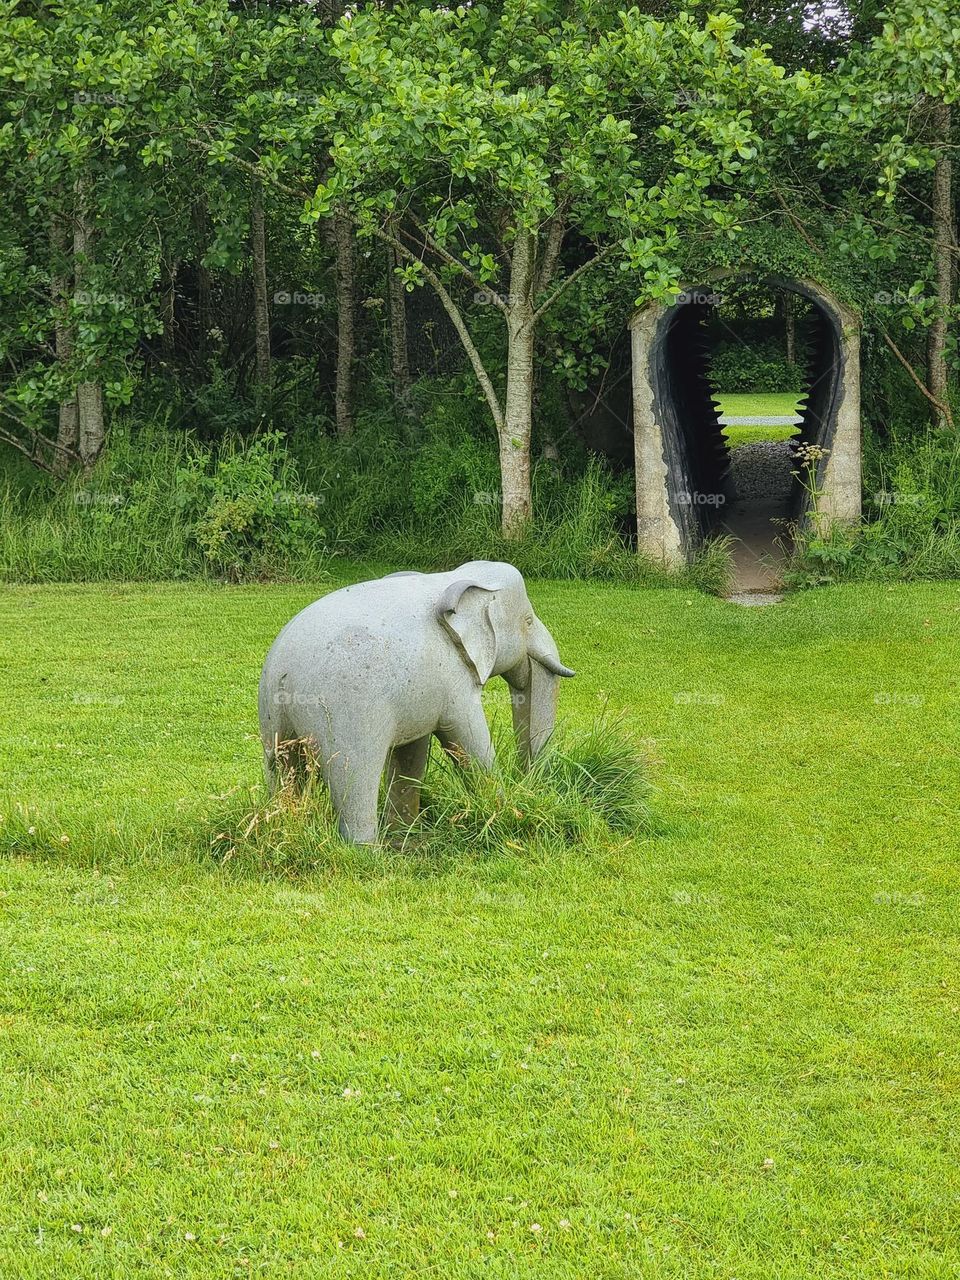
(359,630)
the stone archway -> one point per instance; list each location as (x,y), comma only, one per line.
(679,451)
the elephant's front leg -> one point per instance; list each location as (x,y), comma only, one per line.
(466,734)
(404,776)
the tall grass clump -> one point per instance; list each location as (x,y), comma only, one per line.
(426,494)
(583,790)
(578,533)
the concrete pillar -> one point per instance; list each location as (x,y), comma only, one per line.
(839,480)
(658,533)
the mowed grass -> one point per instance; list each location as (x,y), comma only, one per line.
(757,405)
(725,1048)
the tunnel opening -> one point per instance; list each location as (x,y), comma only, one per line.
(689,488)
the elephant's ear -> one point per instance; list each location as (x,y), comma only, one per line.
(464,613)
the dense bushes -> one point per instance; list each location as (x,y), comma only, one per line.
(756,367)
(422,492)
(161,506)
(912,518)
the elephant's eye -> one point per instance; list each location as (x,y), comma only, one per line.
(529,619)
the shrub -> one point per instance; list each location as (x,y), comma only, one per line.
(246,509)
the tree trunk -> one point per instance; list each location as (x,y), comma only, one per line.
(399,358)
(68,433)
(261,305)
(91,426)
(342,234)
(204,317)
(518,405)
(943,266)
(790,328)
(169,308)
(91,431)
(204,309)
(60,287)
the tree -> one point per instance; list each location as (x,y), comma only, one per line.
(480,146)
(918,54)
(97,98)
(261,302)
(886,122)
(943,250)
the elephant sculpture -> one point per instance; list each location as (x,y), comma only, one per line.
(366,676)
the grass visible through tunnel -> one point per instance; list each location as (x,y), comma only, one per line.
(758,405)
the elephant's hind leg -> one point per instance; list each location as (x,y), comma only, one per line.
(404,776)
(354,781)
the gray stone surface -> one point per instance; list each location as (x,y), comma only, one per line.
(361,681)
(761,472)
(781,420)
(754,598)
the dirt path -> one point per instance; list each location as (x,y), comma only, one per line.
(761,484)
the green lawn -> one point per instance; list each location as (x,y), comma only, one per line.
(727,1049)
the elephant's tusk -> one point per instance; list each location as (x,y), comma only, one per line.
(553,665)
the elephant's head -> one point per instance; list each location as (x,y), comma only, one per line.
(486,612)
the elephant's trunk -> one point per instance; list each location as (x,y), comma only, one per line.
(534,685)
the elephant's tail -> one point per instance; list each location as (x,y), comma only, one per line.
(270,765)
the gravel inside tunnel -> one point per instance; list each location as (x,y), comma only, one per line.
(761,472)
